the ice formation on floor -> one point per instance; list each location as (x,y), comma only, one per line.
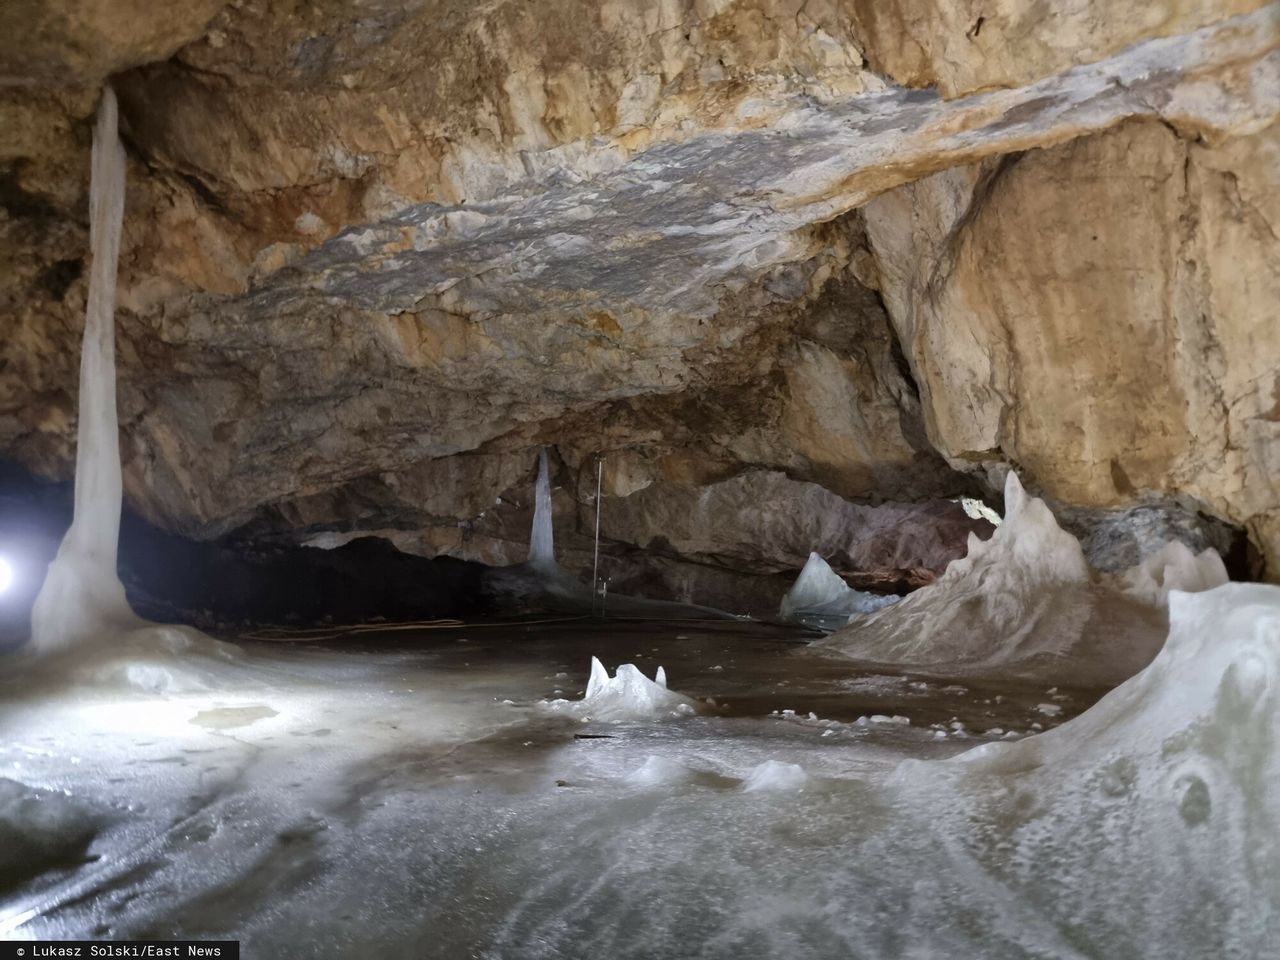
(1173,567)
(661,772)
(821,598)
(81,610)
(1145,830)
(1023,603)
(628,695)
(542,551)
(775,776)
(1165,795)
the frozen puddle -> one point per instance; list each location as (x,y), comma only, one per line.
(425,801)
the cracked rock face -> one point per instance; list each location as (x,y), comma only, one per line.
(1121,345)
(375,256)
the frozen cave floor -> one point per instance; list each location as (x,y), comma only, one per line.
(414,795)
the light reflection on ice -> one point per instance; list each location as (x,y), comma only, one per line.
(398,802)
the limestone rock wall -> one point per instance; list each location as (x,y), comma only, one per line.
(376,254)
(1102,314)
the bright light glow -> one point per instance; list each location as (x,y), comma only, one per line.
(6,575)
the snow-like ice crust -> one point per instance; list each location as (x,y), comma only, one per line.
(820,596)
(1155,815)
(628,695)
(82,628)
(659,771)
(1026,603)
(1146,828)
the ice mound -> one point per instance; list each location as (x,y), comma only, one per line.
(775,776)
(162,659)
(660,771)
(1165,795)
(1022,603)
(1172,567)
(821,598)
(628,695)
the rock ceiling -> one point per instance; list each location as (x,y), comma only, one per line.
(376,254)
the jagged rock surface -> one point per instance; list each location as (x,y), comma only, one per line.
(1117,347)
(375,256)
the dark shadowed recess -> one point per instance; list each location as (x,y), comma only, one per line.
(225,586)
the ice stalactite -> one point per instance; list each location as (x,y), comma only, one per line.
(542,551)
(82,597)
(821,598)
(541,578)
(1025,603)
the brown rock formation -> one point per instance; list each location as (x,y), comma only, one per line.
(1121,345)
(376,255)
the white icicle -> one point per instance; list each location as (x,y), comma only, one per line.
(542,552)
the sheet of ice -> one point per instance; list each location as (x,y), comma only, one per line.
(486,829)
(542,551)
(1172,567)
(82,628)
(820,597)
(628,695)
(213,775)
(41,829)
(1022,603)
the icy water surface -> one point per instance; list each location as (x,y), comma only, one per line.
(413,794)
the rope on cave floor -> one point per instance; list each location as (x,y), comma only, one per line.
(312,634)
(316,634)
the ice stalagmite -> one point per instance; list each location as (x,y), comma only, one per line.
(82,595)
(1025,603)
(542,552)
(821,598)
(1148,826)
(817,584)
(628,695)
(1173,567)
(1022,603)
